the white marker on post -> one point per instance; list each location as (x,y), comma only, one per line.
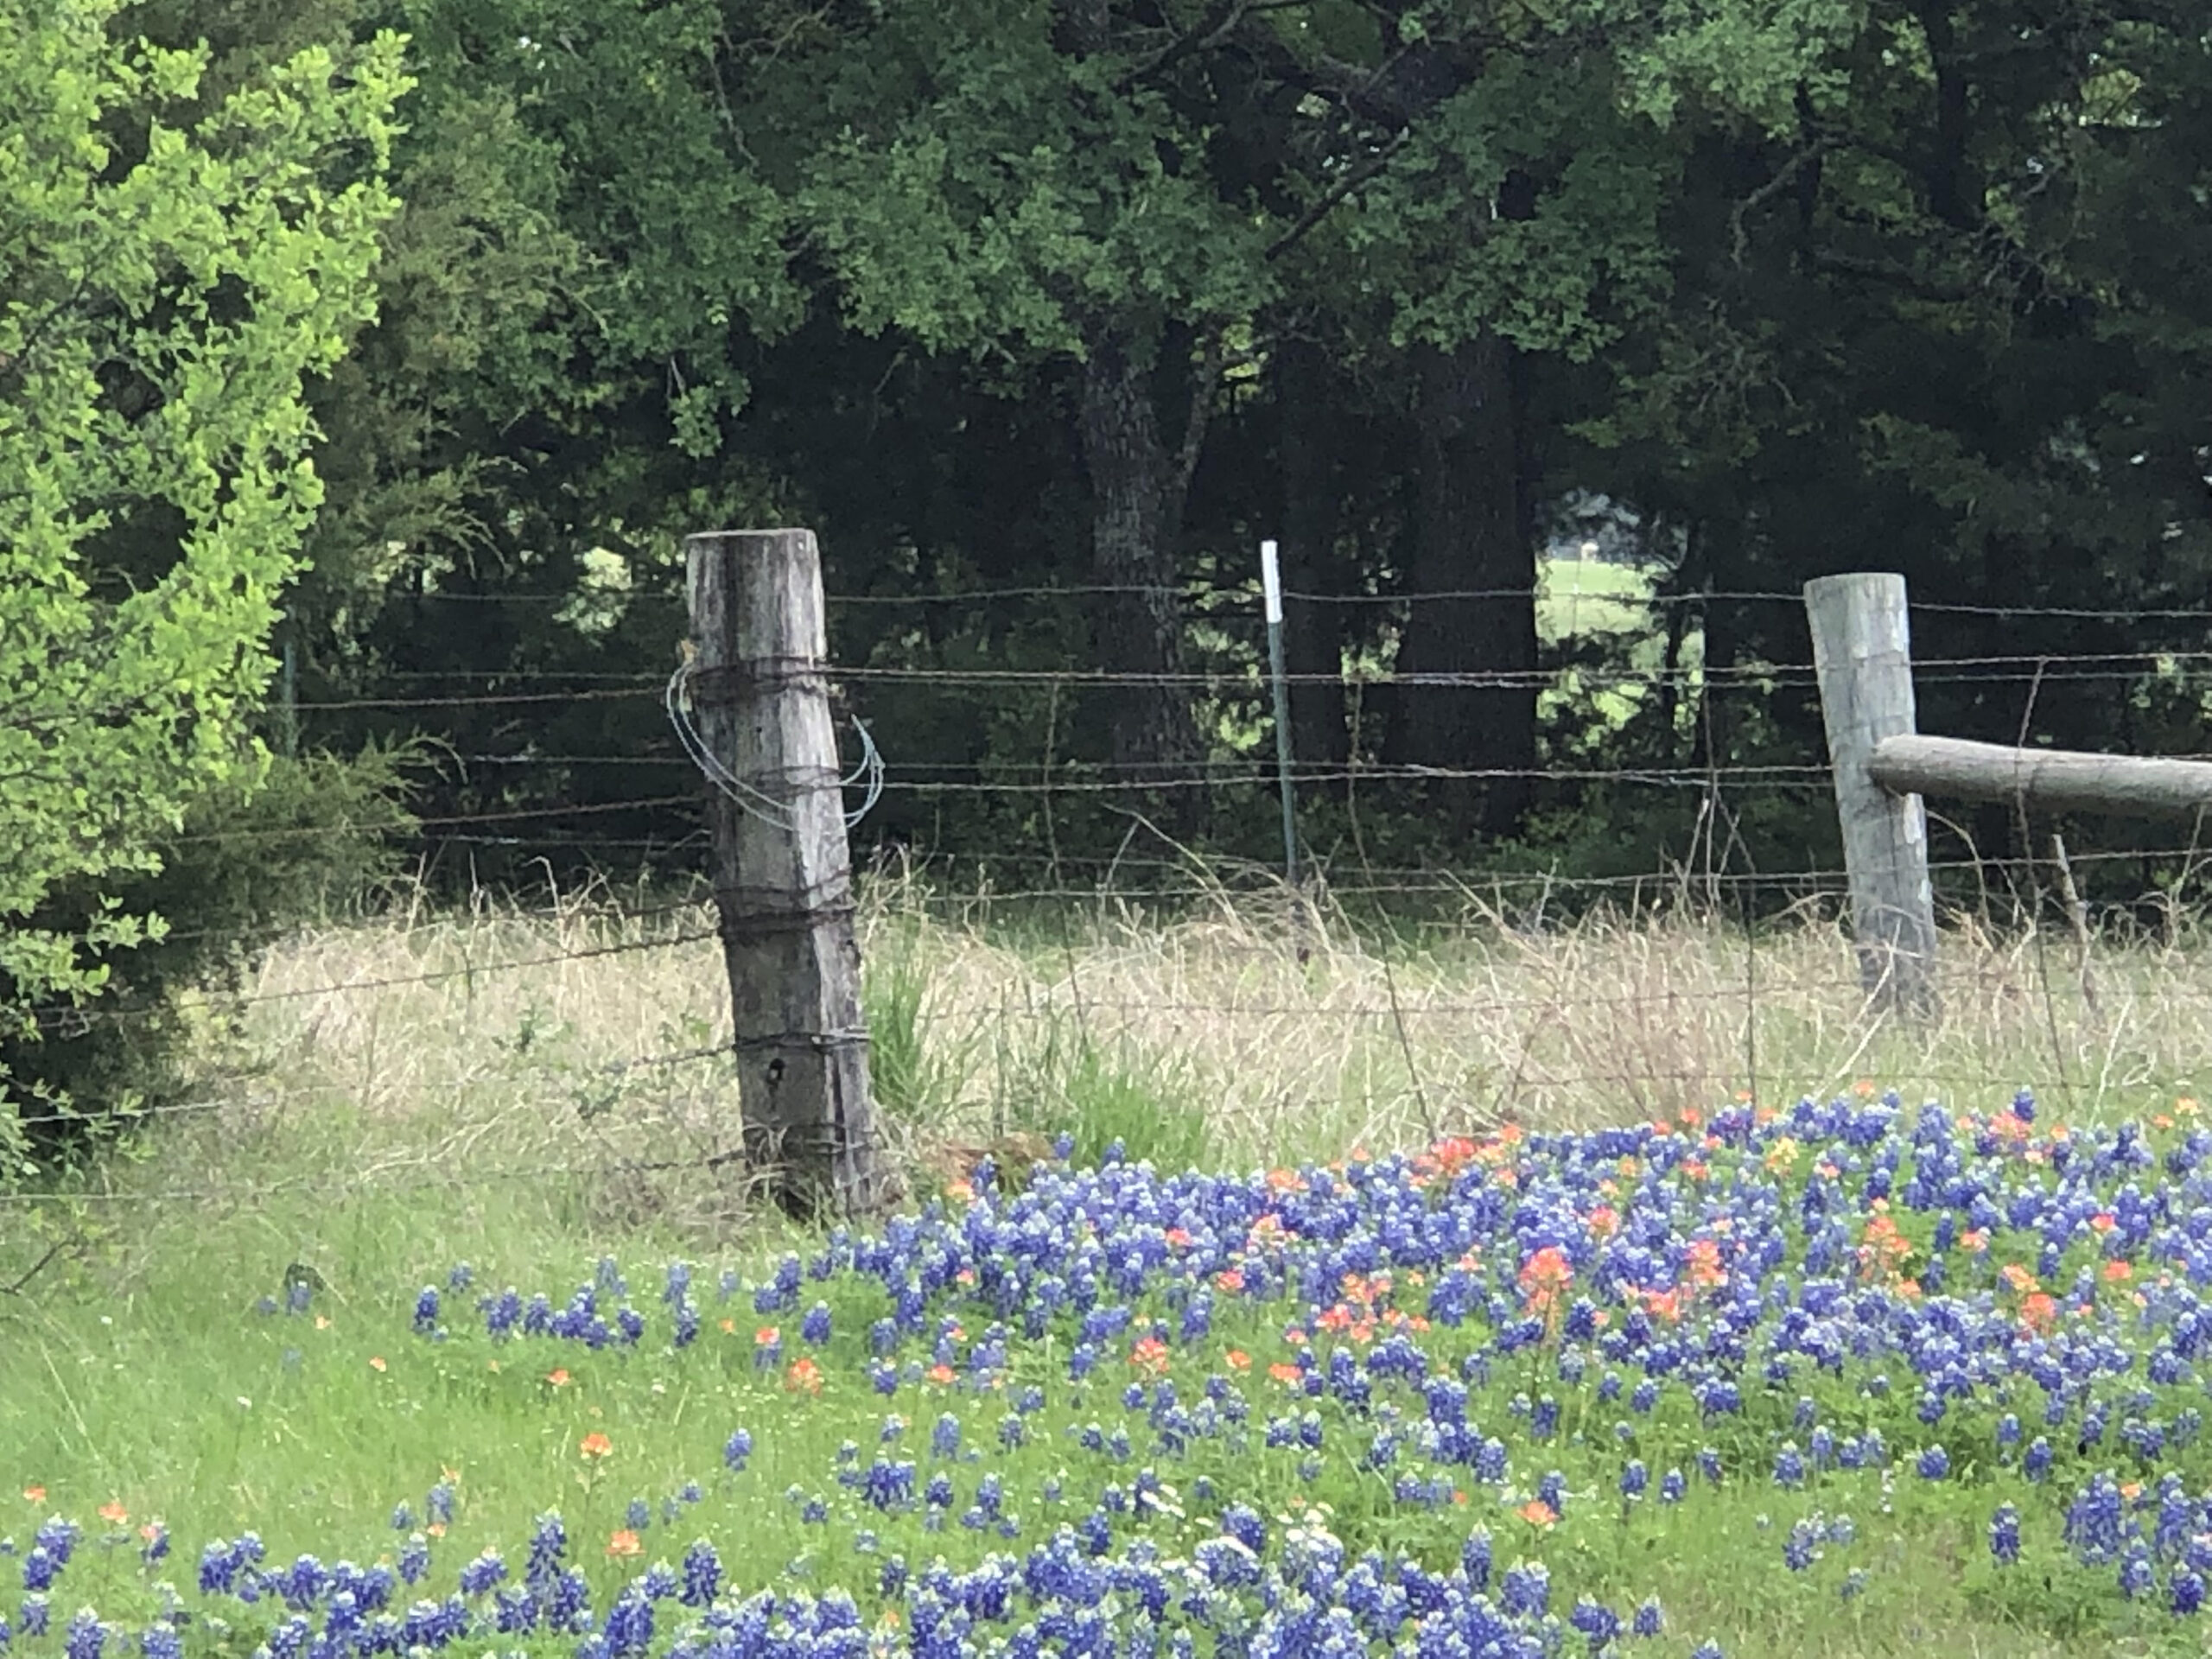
(1271,581)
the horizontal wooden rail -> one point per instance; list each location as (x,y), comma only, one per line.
(2048,780)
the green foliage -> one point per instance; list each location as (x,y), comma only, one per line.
(909,1079)
(261,854)
(1796,281)
(165,286)
(1122,1095)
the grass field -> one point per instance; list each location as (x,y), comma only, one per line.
(1589,597)
(356,1146)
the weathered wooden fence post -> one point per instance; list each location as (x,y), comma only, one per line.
(783,871)
(1862,653)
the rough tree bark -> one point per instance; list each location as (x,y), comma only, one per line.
(1137,487)
(1472,535)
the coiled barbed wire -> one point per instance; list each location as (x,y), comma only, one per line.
(751,797)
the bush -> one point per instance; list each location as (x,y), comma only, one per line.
(317,836)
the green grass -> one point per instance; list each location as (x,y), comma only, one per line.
(146,1379)
(380,1137)
(1583,596)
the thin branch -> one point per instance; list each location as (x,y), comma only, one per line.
(1327,200)
(1203,386)
(35,1268)
(1739,237)
(1215,28)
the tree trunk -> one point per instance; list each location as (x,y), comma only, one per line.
(1312,633)
(1136,509)
(1472,535)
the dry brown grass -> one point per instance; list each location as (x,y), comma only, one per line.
(1319,1036)
(421,1039)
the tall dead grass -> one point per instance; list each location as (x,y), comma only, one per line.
(497,1043)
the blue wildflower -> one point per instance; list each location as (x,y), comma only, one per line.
(2005,1534)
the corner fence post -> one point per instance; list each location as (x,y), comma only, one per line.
(783,870)
(1862,654)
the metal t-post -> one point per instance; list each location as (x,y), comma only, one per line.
(1271,588)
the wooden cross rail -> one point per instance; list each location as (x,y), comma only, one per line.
(1862,654)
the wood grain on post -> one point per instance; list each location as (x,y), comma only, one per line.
(1862,653)
(2051,781)
(783,870)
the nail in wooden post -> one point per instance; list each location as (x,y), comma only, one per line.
(783,871)
(1862,653)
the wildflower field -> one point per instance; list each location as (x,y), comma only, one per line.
(1852,1377)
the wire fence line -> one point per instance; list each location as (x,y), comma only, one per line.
(1377,994)
(1249,595)
(2007,670)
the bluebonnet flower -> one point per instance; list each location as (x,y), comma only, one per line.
(158,1641)
(1789,1465)
(1634,1478)
(1801,1548)
(1933,1464)
(1598,1624)
(426,1312)
(413,1558)
(737,1449)
(2185,1592)
(2005,1534)
(1490,1461)
(639,1515)
(2095,1520)
(87,1637)
(629,1625)
(515,1611)
(302,1583)
(1526,1590)
(548,1541)
(1551,1491)
(1672,1485)
(33,1617)
(1651,1619)
(58,1538)
(438,1504)
(944,1439)
(1475,1559)
(501,1313)
(568,1601)
(814,1329)
(480,1574)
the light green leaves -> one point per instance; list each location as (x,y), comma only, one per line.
(156,320)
